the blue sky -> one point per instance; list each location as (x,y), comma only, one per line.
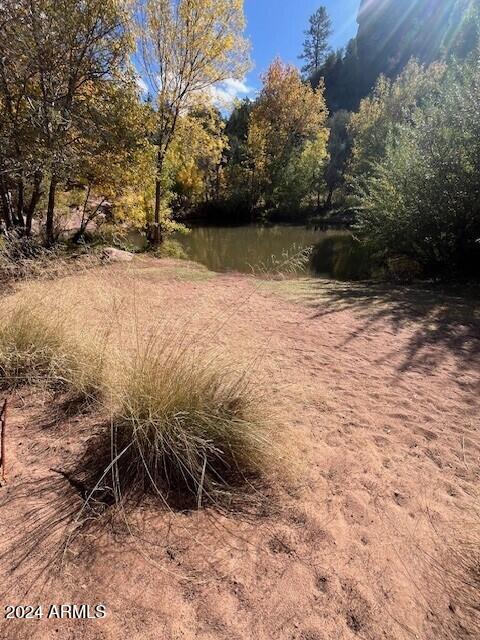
(275,28)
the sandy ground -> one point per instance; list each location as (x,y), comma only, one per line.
(375,537)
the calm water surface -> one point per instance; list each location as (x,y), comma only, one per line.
(247,249)
(256,249)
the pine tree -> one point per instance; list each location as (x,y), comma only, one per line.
(315,46)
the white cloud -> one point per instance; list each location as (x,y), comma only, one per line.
(225,93)
(142,85)
(237,86)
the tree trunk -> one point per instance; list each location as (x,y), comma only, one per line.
(252,198)
(6,204)
(86,218)
(20,203)
(49,227)
(217,183)
(158,200)
(155,235)
(329,198)
(37,181)
(80,232)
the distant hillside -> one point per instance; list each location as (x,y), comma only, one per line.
(390,32)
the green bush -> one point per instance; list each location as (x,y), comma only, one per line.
(423,199)
(171,248)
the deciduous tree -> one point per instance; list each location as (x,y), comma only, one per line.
(62,48)
(187,46)
(116,153)
(389,107)
(287,113)
(195,156)
(421,199)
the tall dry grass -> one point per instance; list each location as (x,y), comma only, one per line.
(179,419)
(25,259)
(37,348)
(188,422)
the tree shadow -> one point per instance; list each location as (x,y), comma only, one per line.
(74,513)
(443,321)
(36,516)
(46,524)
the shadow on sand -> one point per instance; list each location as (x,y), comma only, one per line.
(444,322)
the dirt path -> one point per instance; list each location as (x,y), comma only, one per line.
(381,388)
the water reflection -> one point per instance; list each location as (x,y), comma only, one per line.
(246,249)
(260,249)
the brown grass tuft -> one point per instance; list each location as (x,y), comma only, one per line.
(188,424)
(37,349)
(180,420)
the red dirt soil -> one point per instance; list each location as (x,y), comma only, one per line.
(369,540)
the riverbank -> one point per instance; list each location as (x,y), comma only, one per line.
(380,386)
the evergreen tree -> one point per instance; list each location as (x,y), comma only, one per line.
(315,46)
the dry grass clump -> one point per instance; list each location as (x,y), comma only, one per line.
(188,425)
(181,423)
(24,259)
(37,349)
